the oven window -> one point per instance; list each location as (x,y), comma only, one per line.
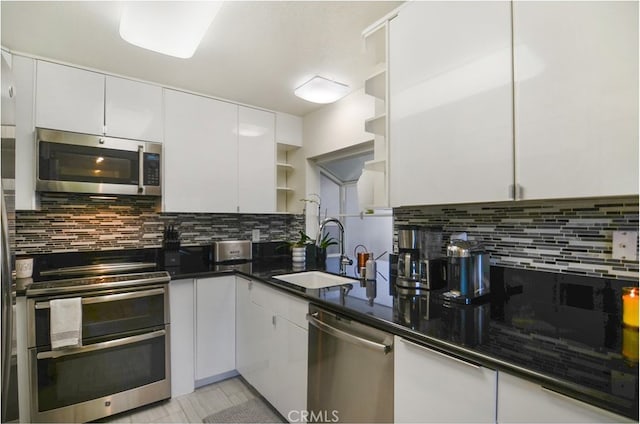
(109,317)
(67,162)
(85,376)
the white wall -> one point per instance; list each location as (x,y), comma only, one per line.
(375,232)
(338,125)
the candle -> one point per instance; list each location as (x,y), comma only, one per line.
(630,306)
(630,344)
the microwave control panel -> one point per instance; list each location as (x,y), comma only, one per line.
(151,169)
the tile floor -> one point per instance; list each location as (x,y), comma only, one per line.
(192,407)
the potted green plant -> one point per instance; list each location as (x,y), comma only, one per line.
(321,248)
(299,247)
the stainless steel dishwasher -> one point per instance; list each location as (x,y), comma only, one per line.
(350,370)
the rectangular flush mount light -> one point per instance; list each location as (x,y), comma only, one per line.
(321,90)
(174,28)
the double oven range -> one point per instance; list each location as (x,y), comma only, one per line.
(122,361)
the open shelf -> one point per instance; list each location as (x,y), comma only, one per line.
(378,165)
(287,167)
(376,85)
(376,125)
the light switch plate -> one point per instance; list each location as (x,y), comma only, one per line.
(624,245)
(255,235)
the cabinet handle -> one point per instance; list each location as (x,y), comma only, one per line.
(248,280)
(273,320)
(444,355)
(519,192)
(570,399)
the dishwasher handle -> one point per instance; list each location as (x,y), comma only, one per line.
(348,337)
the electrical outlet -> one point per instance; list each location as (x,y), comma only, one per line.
(624,245)
(255,235)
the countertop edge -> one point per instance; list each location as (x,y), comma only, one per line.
(563,387)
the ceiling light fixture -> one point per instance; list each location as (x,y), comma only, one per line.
(174,28)
(321,90)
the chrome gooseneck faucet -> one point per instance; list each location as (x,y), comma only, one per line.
(344,259)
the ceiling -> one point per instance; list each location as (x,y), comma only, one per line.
(255,52)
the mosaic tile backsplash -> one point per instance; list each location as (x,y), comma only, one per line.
(568,236)
(67,223)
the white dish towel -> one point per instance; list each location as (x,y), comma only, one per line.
(66,322)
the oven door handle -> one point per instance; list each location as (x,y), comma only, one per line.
(100,346)
(109,297)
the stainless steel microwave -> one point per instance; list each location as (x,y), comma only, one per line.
(83,163)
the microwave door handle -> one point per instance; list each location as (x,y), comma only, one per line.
(100,346)
(109,298)
(140,169)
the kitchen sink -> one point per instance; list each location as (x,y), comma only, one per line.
(314,279)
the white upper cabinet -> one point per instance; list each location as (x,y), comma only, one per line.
(576,98)
(288,129)
(256,161)
(77,100)
(451,120)
(69,98)
(200,154)
(133,109)
(23,75)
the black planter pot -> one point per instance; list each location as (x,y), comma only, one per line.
(316,257)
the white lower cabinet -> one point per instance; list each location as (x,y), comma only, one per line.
(215,330)
(434,387)
(521,401)
(271,344)
(182,336)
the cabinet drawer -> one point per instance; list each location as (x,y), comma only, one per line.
(279,303)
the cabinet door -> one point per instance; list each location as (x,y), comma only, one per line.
(23,74)
(520,401)
(433,387)
(256,161)
(215,326)
(133,109)
(576,98)
(243,325)
(200,154)
(451,131)
(289,359)
(254,334)
(288,129)
(69,98)
(182,336)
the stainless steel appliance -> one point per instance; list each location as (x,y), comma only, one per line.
(83,163)
(350,375)
(232,255)
(123,360)
(9,368)
(231,250)
(415,308)
(468,271)
(420,265)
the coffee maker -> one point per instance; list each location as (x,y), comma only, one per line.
(420,262)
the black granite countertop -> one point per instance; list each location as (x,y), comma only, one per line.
(561,331)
